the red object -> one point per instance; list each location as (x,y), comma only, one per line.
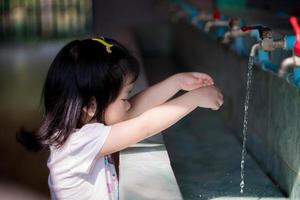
(216,14)
(261,29)
(296,28)
(247,28)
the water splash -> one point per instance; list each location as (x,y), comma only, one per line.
(245,125)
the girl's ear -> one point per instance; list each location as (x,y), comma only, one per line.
(90,109)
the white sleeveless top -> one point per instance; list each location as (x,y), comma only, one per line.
(74,171)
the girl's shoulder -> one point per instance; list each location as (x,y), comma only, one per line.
(90,129)
(81,148)
(89,132)
(81,136)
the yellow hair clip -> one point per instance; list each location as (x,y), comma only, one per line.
(102,41)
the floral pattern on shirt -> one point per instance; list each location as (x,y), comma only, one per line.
(111,178)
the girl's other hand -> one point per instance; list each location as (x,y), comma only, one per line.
(192,80)
(208,97)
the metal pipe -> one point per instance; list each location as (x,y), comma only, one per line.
(285,65)
(210,24)
(233,34)
(254,49)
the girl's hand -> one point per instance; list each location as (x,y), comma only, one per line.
(208,97)
(192,80)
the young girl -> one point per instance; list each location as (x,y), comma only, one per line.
(88,115)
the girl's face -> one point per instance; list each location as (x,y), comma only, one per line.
(117,111)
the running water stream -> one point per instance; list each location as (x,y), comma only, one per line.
(245,126)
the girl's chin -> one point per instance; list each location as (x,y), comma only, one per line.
(114,122)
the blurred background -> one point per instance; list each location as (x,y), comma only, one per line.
(33,31)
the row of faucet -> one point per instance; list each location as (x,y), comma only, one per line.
(206,21)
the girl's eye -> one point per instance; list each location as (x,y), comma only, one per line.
(125,99)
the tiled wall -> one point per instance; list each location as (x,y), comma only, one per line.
(273,126)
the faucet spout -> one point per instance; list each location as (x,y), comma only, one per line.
(201,17)
(234,30)
(254,49)
(233,34)
(285,65)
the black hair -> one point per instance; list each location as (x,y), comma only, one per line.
(81,70)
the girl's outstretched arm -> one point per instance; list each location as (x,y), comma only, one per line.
(161,92)
(153,96)
(155,120)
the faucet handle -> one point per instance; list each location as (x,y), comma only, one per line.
(296,27)
(295,24)
(264,31)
